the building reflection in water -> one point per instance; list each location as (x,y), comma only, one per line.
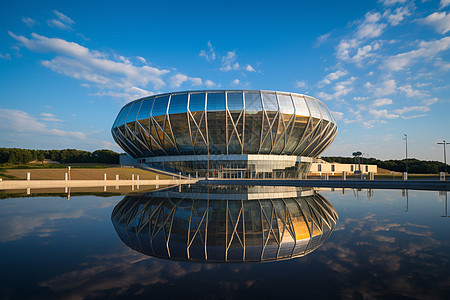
(225,224)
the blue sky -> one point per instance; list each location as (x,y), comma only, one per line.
(382,67)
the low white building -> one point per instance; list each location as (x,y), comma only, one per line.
(321,167)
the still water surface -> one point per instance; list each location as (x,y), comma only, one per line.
(356,244)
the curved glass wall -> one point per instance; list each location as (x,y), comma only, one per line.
(225,224)
(225,122)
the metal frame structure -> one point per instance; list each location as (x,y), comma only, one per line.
(289,124)
(224,122)
(223,224)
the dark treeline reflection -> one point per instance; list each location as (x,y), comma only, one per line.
(225,224)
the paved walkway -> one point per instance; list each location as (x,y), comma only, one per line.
(365,184)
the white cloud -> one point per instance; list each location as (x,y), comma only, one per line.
(138,91)
(58,24)
(325,96)
(141,59)
(411,108)
(365,52)
(344,48)
(414,116)
(444,3)
(62,21)
(370,28)
(445,66)
(209,54)
(336,75)
(300,84)
(341,88)
(229,62)
(63,17)
(81,63)
(392,2)
(249,68)
(337,115)
(235,82)
(439,20)
(17,121)
(321,39)
(348,50)
(381,102)
(196,81)
(332,76)
(382,114)
(360,98)
(387,87)
(426,50)
(399,14)
(323,82)
(209,83)
(127,95)
(49,117)
(344,87)
(5,56)
(430,101)
(410,92)
(178,79)
(28,21)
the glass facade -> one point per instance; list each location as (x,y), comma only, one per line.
(232,166)
(225,223)
(224,122)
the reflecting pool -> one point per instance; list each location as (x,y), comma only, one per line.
(225,224)
(196,242)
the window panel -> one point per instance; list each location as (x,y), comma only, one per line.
(146,108)
(312,104)
(178,104)
(235,102)
(197,102)
(286,105)
(324,111)
(253,103)
(124,114)
(215,102)
(270,102)
(133,112)
(300,106)
(160,106)
(118,120)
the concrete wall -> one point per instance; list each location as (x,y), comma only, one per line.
(319,168)
(22,184)
(126,160)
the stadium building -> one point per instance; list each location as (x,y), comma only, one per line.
(226,133)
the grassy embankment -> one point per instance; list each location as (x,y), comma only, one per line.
(77,172)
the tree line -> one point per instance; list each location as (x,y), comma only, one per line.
(414,165)
(24,156)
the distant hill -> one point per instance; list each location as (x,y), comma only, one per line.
(415,166)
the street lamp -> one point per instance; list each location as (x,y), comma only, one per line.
(445,155)
(406,143)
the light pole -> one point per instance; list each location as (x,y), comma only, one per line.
(406,144)
(445,155)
